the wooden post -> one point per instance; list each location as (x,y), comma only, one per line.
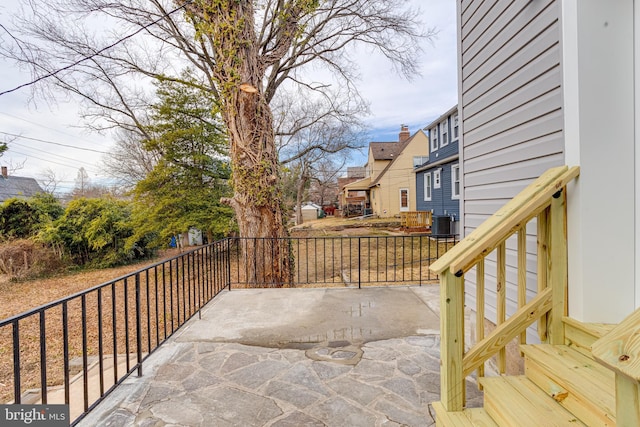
(558,266)
(480,310)
(627,401)
(501,299)
(543,264)
(522,274)
(451,341)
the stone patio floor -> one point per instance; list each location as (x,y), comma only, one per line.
(292,357)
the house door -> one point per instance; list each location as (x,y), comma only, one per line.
(404,199)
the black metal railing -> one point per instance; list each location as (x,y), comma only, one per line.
(76,350)
(341,261)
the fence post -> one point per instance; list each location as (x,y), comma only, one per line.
(359,266)
(229,263)
(138,326)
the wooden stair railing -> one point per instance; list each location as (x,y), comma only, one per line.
(545,201)
(619,350)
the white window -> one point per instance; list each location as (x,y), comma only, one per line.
(433,133)
(427,186)
(455,181)
(436,178)
(420,160)
(456,131)
(444,130)
(404,199)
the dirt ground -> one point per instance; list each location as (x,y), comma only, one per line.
(17,297)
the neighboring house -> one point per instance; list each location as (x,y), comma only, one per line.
(17,186)
(388,187)
(438,181)
(393,186)
(345,198)
(549,83)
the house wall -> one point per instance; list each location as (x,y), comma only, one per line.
(510,102)
(598,62)
(441,202)
(386,195)
(547,83)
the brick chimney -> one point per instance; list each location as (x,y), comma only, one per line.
(404,133)
(5,172)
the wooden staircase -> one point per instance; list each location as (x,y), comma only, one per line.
(562,386)
(581,374)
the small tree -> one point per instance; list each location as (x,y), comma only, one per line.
(187,173)
(94,232)
(17,219)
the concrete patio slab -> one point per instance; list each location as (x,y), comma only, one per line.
(292,357)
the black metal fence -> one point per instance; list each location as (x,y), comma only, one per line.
(342,261)
(78,349)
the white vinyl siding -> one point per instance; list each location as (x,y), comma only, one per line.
(511,108)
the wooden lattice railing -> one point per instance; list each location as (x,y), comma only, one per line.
(415,219)
(543,201)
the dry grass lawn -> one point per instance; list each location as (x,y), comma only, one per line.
(318,263)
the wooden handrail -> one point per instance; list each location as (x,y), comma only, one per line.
(504,333)
(518,210)
(545,201)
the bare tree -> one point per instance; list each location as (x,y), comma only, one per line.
(314,148)
(49,180)
(83,183)
(324,187)
(129,161)
(245,51)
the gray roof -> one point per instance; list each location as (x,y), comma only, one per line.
(17,186)
(384,150)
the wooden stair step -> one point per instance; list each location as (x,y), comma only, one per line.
(476,417)
(581,336)
(577,382)
(516,401)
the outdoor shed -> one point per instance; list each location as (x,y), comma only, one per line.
(310,211)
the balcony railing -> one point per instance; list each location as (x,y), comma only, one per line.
(86,344)
(345,261)
(47,353)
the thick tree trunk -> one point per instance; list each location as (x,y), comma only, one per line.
(257,199)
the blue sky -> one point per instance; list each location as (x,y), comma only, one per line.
(393,101)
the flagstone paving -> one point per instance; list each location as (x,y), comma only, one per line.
(220,376)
